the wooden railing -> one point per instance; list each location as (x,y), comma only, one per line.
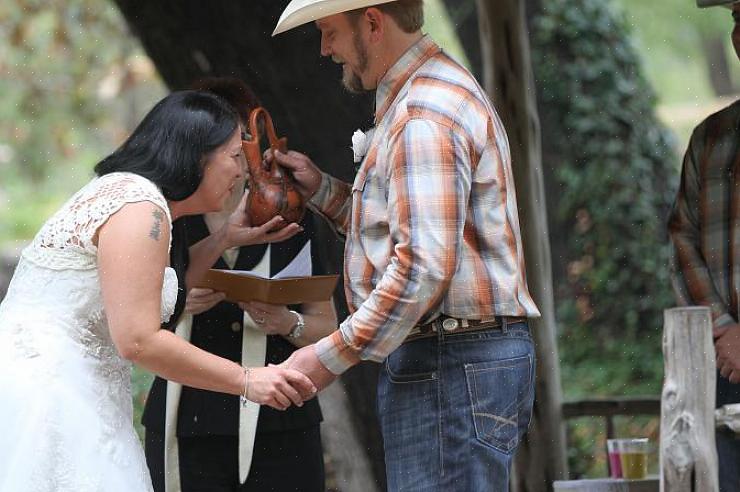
(610,408)
(688,459)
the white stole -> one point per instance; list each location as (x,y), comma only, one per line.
(254,349)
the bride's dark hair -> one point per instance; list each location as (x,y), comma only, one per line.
(171,143)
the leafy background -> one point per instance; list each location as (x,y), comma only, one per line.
(620,85)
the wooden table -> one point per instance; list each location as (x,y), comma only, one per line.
(650,484)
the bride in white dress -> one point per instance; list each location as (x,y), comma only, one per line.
(90,293)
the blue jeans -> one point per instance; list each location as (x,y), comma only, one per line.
(453,409)
(728,453)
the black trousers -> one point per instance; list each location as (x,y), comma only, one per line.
(282,462)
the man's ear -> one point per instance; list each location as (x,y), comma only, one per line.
(377,22)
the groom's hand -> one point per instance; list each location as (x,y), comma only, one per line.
(306,361)
(305,172)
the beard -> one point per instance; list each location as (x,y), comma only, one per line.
(351,79)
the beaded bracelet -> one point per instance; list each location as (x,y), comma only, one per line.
(243,398)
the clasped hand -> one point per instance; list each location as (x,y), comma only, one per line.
(307,362)
(279,387)
(727,349)
(294,381)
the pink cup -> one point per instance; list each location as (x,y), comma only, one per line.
(615,463)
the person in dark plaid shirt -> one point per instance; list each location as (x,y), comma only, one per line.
(704,228)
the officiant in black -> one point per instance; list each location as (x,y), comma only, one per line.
(204,441)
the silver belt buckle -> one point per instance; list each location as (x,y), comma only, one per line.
(450,324)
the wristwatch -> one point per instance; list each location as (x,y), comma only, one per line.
(300,324)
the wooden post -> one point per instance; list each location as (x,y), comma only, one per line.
(348,461)
(688,456)
(509,81)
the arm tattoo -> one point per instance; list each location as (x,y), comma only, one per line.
(156,231)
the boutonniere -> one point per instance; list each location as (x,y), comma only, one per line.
(361,143)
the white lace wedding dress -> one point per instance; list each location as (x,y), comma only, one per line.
(65,395)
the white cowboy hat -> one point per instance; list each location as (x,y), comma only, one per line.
(299,12)
(712,3)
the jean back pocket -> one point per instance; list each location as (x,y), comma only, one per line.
(501,397)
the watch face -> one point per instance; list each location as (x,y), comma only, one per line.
(296,332)
(299,325)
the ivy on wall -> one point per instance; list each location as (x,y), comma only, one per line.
(613,176)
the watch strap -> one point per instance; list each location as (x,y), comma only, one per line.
(300,324)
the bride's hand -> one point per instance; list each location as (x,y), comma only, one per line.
(239,232)
(278,387)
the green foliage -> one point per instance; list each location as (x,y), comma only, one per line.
(439,26)
(669,35)
(69,97)
(614,174)
(141,381)
(74,82)
(587,443)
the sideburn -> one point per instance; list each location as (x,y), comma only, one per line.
(353,83)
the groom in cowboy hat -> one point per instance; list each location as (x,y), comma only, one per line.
(434,265)
(704,226)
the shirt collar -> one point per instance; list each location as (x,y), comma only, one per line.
(396,76)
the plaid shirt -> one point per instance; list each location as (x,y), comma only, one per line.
(705,222)
(431,219)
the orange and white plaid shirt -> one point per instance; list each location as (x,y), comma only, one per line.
(431,220)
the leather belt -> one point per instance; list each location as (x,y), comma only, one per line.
(452,325)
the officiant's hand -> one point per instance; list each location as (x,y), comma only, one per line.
(272,319)
(239,232)
(201,300)
(305,172)
(306,361)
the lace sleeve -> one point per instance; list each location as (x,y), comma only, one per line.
(66,240)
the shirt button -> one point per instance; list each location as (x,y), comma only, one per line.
(236,326)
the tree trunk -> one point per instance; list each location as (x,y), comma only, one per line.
(550,119)
(718,69)
(464,16)
(688,455)
(8,260)
(509,81)
(343,443)
(189,39)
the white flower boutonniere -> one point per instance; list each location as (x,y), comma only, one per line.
(360,144)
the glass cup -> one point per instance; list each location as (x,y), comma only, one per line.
(615,465)
(633,457)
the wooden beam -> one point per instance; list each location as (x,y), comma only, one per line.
(509,81)
(688,455)
(607,485)
(604,407)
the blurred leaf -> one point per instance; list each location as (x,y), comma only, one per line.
(53,120)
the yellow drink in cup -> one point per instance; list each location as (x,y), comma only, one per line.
(633,457)
(634,465)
